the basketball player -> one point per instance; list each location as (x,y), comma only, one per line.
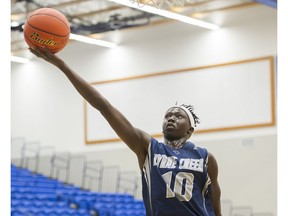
(178,178)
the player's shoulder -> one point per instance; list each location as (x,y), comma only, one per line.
(202,150)
(156,145)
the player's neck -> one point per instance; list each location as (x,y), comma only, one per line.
(175,143)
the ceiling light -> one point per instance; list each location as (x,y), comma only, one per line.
(90,40)
(167,14)
(14,24)
(19,59)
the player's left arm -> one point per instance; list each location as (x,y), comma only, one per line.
(215,187)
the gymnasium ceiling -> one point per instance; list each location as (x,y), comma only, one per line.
(95,18)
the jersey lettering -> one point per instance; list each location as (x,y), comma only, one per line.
(191,164)
(163,161)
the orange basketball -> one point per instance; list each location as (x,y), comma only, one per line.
(47,27)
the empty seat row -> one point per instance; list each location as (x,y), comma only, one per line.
(48,212)
(35,194)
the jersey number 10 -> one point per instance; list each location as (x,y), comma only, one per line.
(183,185)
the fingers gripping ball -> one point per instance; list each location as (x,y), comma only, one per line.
(47,27)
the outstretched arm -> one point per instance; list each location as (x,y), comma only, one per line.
(136,139)
(215,188)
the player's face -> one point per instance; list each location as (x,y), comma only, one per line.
(175,124)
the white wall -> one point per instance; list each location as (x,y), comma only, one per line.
(46,108)
(247,170)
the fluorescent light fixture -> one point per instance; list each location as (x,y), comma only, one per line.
(19,59)
(167,14)
(94,41)
(14,24)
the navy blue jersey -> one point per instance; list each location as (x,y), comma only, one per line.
(175,181)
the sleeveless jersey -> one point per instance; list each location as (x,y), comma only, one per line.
(175,182)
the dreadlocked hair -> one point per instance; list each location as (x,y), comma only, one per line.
(191,109)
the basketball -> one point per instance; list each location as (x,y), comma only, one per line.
(47,27)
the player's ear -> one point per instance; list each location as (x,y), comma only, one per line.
(190,131)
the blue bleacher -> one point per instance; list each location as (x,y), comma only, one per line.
(35,194)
